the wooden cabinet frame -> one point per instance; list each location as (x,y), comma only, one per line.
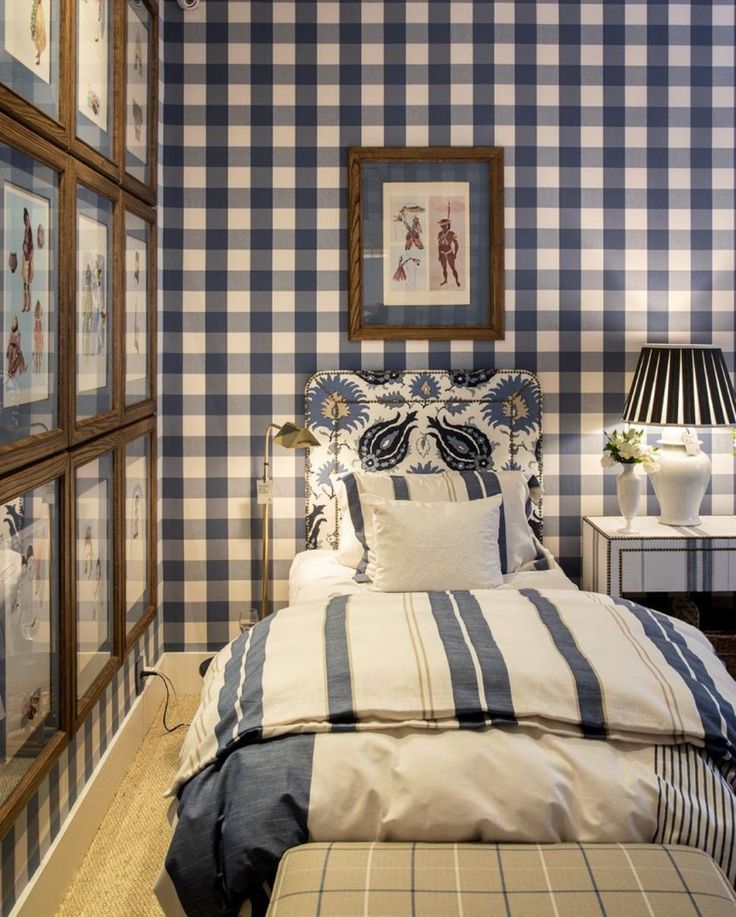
(144,190)
(25,112)
(109,166)
(82,430)
(59,452)
(62,131)
(147,406)
(21,482)
(81,706)
(128,435)
(43,444)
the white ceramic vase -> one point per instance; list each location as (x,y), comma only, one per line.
(628,491)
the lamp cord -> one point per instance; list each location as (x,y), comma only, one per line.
(146,673)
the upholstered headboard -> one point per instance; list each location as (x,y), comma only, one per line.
(418,421)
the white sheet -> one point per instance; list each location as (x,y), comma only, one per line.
(318,574)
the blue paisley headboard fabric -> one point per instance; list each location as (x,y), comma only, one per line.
(419,421)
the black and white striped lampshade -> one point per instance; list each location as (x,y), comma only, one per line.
(681,387)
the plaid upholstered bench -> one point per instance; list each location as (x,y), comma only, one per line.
(485,880)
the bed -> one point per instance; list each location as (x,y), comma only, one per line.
(499,704)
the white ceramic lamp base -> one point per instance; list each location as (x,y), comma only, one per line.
(680,484)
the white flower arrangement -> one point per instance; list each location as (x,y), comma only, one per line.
(627,448)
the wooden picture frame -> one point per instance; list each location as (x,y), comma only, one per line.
(137,611)
(138,310)
(43,579)
(139,116)
(40,256)
(33,416)
(425,243)
(34,62)
(93,570)
(95,83)
(93,293)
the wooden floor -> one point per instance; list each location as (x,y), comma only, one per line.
(117,875)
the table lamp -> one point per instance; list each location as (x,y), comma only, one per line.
(290,436)
(678,387)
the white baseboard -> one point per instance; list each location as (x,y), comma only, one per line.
(48,885)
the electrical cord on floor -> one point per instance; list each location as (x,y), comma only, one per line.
(167,681)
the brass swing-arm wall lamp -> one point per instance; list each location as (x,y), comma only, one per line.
(290,436)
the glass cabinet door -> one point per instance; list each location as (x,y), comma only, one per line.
(137,530)
(94,570)
(95,324)
(137,309)
(95,52)
(29,199)
(31,64)
(139,54)
(29,618)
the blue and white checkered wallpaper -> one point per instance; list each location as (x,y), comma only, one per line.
(617,122)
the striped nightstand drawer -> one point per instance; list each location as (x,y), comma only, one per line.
(659,558)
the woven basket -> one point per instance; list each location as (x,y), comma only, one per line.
(725,646)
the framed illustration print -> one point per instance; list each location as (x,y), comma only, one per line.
(139,313)
(138,506)
(30,192)
(425,243)
(95,307)
(94,553)
(139,136)
(32,48)
(31,508)
(95,85)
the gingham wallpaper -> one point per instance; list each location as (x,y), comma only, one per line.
(617,123)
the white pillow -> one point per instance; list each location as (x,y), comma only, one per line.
(519,548)
(414,548)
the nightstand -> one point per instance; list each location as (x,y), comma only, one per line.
(662,562)
(659,558)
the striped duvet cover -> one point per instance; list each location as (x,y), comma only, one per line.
(499,715)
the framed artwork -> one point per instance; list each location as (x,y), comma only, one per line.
(425,243)
(31,52)
(30,259)
(140,95)
(30,714)
(137,517)
(94,553)
(95,324)
(95,78)
(138,317)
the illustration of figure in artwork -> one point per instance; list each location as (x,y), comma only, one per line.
(448,246)
(16,363)
(94,314)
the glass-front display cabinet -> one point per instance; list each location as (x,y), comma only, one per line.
(31,711)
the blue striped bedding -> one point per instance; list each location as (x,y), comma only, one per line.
(618,718)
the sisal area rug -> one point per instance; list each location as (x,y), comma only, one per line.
(117,875)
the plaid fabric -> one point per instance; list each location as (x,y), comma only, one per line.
(473,880)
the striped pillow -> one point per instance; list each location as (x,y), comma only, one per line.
(518,546)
